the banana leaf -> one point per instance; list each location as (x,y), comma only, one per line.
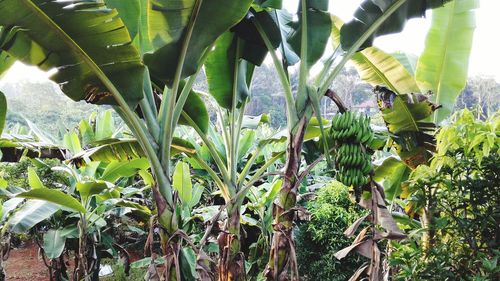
(168,24)
(378,68)
(442,67)
(371,10)
(404,116)
(75,38)
(125,150)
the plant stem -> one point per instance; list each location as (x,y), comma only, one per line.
(290,102)
(169,127)
(211,148)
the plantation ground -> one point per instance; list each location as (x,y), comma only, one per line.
(25,264)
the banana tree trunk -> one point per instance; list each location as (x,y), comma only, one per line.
(282,255)
(232,260)
(170,245)
(428,235)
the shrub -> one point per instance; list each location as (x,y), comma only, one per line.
(319,239)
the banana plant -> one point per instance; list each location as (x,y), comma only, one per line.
(88,202)
(126,53)
(229,74)
(378,68)
(307,40)
(406,112)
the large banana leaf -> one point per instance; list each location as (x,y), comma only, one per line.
(378,68)
(442,68)
(125,150)
(318,30)
(30,214)
(254,49)
(371,10)
(404,115)
(53,243)
(135,16)
(54,196)
(168,22)
(72,37)
(224,69)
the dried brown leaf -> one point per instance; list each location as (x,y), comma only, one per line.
(352,229)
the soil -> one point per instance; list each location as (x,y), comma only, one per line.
(25,264)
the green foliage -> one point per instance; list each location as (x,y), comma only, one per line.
(319,239)
(16,174)
(460,189)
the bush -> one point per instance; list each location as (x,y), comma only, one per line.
(16,174)
(319,239)
(462,183)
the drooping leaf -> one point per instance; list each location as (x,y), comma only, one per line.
(117,169)
(391,173)
(53,196)
(53,243)
(319,26)
(182,182)
(168,21)
(196,109)
(442,67)
(371,10)
(30,214)
(253,48)
(74,37)
(224,69)
(383,217)
(127,149)
(89,188)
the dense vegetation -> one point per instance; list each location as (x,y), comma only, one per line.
(201,160)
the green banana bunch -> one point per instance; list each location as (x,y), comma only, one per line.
(351,133)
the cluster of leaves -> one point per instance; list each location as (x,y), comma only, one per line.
(460,188)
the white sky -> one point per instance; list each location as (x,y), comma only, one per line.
(485,57)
